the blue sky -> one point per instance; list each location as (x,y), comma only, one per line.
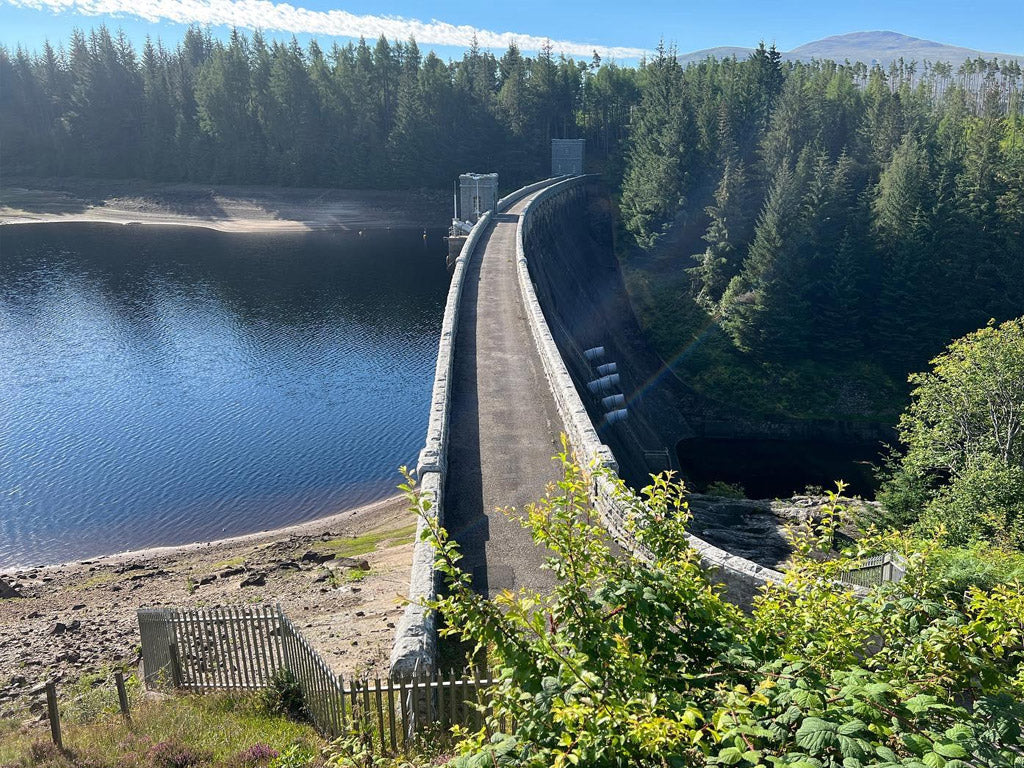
(620,29)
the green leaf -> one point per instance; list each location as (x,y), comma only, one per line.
(851,727)
(920,703)
(886,754)
(730,756)
(916,744)
(958,732)
(853,747)
(876,690)
(933,760)
(950,749)
(816,734)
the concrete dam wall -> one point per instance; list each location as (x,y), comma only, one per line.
(571,297)
(555,233)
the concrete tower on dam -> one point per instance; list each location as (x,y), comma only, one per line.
(567,157)
(478,192)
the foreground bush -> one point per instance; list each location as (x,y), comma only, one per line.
(629,663)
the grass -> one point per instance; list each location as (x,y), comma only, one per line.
(215,726)
(231,562)
(354,546)
(354,575)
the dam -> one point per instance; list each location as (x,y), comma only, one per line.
(503,393)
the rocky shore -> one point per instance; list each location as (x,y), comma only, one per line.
(341,579)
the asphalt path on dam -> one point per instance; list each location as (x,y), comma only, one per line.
(504,425)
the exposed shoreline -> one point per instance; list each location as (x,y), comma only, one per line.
(240,209)
(342,579)
(307,528)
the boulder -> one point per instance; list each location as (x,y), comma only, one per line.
(317,557)
(7,589)
(254,580)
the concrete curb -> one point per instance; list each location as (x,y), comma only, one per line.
(742,578)
(509,200)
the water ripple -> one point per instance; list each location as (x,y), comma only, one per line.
(160,386)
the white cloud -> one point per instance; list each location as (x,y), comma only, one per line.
(288,18)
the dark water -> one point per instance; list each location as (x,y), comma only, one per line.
(779,468)
(167,385)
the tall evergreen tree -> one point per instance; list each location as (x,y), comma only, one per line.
(654,187)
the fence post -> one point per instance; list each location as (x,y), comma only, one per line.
(122,696)
(54,714)
(176,680)
(411,724)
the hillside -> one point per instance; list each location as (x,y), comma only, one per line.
(878,46)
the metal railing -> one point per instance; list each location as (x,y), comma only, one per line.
(876,570)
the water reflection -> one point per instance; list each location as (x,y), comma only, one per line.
(163,385)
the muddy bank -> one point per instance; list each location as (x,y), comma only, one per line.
(224,208)
(341,579)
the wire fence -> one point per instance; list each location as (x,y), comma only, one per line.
(92,699)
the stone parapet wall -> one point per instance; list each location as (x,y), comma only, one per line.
(509,200)
(415,647)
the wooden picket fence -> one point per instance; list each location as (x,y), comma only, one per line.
(244,647)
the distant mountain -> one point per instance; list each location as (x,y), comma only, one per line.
(868,47)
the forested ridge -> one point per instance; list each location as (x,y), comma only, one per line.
(825,212)
(249,110)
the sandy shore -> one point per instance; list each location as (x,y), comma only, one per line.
(79,617)
(223,208)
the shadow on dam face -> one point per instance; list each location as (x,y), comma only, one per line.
(779,468)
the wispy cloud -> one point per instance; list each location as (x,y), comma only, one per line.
(288,18)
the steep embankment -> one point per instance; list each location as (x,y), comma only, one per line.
(580,286)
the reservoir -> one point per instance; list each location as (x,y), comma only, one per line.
(162,385)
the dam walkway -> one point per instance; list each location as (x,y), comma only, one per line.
(504,423)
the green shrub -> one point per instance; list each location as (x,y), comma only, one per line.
(725,490)
(983,502)
(962,472)
(296,756)
(641,662)
(284,696)
(980,566)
